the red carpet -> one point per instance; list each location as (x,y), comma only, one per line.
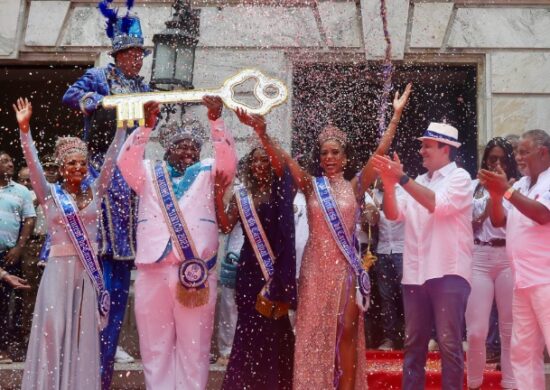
(384,371)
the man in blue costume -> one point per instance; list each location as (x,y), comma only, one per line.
(118,222)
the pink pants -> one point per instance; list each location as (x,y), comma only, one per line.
(174,340)
(491,279)
(530,332)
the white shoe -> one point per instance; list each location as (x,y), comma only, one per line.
(122,356)
(433,346)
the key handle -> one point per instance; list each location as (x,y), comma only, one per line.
(270,92)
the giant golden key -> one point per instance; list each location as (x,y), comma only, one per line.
(268,91)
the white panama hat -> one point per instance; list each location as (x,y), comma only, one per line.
(442,132)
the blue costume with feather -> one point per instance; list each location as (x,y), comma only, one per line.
(119,206)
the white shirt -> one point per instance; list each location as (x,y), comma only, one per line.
(301,228)
(391,234)
(439,243)
(487,232)
(528,243)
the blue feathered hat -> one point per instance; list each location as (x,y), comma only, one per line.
(124,32)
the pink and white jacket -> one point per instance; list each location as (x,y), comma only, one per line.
(196,205)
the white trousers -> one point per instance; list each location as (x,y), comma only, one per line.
(227,320)
(492,278)
(174,340)
(530,332)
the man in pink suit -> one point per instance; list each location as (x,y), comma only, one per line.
(175,339)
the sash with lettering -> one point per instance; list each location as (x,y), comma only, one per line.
(264,254)
(83,246)
(193,272)
(334,220)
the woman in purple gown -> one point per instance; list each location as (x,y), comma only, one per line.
(263,347)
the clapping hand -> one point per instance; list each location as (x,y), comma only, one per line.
(495,182)
(390,171)
(23,112)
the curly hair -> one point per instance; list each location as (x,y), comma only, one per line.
(509,160)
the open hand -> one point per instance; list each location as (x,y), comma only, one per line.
(214,104)
(399,102)
(23,112)
(257,122)
(16,282)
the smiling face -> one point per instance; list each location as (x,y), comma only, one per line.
(6,167)
(183,154)
(333,157)
(74,167)
(528,156)
(260,167)
(434,157)
(130,61)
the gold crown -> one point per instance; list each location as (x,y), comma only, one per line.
(68,145)
(333,132)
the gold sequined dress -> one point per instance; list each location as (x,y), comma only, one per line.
(324,274)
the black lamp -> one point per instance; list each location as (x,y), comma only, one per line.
(174,53)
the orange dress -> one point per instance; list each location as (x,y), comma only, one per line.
(324,273)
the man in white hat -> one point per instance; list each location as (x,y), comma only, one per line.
(177,243)
(437,257)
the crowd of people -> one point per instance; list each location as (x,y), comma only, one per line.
(294,284)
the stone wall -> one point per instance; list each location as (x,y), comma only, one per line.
(508,40)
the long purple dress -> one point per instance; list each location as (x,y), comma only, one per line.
(262,356)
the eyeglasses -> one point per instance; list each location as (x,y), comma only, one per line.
(495,159)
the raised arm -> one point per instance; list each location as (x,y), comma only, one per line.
(277,155)
(225,155)
(23,112)
(368,175)
(130,160)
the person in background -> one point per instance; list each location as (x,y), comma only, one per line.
(388,269)
(17,218)
(524,208)
(492,277)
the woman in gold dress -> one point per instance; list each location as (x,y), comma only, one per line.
(330,345)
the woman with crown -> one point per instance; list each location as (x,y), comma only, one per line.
(333,287)
(72,303)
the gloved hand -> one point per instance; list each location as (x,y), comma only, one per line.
(228,270)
